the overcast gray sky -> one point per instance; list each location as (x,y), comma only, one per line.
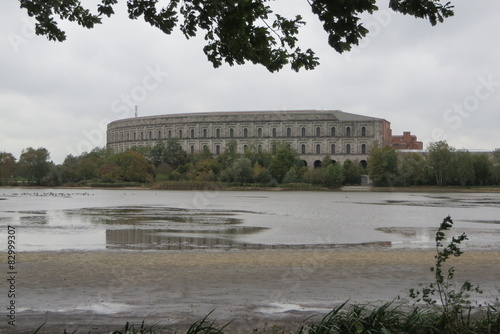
(439,82)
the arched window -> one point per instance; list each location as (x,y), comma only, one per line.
(245,148)
(303,149)
(259,132)
(142,135)
(192,133)
(169,134)
(150,135)
(332,149)
(348,149)
(159,134)
(332,131)
(128,136)
(363,148)
(318,132)
(303,132)
(180,133)
(205,133)
(318,149)
(217,149)
(231,133)
(217,133)
(135,136)
(245,133)
(288,132)
(348,131)
(363,132)
(274,132)
(192,149)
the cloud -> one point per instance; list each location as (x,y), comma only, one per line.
(59,95)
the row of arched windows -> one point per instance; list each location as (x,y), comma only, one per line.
(218,133)
(303,149)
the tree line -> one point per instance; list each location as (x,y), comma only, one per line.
(442,165)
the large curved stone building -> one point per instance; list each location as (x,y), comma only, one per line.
(312,133)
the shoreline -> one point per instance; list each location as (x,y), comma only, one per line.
(216,186)
(105,289)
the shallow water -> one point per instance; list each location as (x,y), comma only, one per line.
(48,219)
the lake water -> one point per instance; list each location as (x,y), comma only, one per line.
(213,220)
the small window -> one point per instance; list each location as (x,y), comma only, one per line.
(363,149)
(274,132)
(231,133)
(318,149)
(332,149)
(332,131)
(318,132)
(150,135)
(192,133)
(348,131)
(217,133)
(288,132)
(363,132)
(303,132)
(205,133)
(245,133)
(159,134)
(245,148)
(217,149)
(169,134)
(142,135)
(259,132)
(180,133)
(303,149)
(348,149)
(192,149)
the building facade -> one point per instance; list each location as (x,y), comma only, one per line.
(312,133)
(407,142)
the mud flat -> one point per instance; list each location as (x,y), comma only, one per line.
(101,290)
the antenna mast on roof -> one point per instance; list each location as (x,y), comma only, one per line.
(136,107)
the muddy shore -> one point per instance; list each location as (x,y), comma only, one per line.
(99,291)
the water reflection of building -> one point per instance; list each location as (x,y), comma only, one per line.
(155,239)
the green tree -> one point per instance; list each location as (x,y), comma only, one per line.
(496,166)
(7,167)
(463,167)
(440,161)
(237,31)
(230,154)
(334,176)
(174,155)
(34,165)
(284,159)
(134,167)
(412,168)
(383,165)
(352,172)
(291,176)
(242,170)
(483,169)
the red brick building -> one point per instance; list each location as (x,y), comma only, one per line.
(406,142)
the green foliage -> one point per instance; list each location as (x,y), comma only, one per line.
(34,165)
(284,159)
(453,302)
(238,31)
(383,165)
(441,161)
(7,168)
(242,170)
